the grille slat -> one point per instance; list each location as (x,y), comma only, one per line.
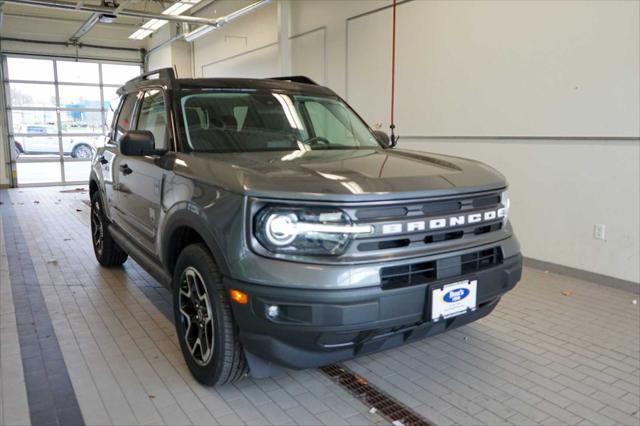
(426,272)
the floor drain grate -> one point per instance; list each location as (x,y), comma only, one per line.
(388,407)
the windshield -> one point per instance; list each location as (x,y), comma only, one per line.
(269,121)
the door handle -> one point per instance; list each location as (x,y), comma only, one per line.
(125,169)
(103,160)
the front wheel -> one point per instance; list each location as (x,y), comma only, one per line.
(204,323)
(107,251)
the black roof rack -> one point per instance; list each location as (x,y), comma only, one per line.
(295,79)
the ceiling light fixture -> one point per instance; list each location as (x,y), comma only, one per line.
(140,34)
(178,8)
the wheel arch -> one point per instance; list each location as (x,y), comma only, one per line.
(186,228)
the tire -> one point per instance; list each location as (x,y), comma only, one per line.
(107,251)
(82,151)
(224,361)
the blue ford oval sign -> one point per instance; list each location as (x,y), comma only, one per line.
(455,295)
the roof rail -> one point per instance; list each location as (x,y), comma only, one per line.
(162,74)
(295,79)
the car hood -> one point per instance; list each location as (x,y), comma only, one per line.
(340,175)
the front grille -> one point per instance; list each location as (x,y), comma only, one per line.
(426,272)
(420,237)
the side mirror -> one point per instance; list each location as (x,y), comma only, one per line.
(138,143)
(383,138)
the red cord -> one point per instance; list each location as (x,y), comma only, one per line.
(393,66)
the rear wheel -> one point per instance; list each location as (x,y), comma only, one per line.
(105,248)
(207,333)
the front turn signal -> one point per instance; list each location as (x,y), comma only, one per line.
(239,297)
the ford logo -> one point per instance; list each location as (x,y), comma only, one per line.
(455,295)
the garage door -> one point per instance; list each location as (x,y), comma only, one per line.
(57,109)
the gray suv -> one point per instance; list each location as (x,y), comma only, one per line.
(290,233)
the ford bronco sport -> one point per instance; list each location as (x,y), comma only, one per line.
(290,233)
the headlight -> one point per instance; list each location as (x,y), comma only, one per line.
(503,212)
(306,230)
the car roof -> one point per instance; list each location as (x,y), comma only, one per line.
(253,83)
(166,77)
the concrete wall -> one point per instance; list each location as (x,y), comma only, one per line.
(560,187)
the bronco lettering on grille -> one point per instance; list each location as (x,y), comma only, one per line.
(443,222)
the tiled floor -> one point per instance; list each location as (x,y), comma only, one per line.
(539,358)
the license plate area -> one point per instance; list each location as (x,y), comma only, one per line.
(453,299)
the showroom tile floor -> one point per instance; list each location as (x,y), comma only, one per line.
(81,344)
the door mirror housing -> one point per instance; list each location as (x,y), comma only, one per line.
(383,138)
(139,143)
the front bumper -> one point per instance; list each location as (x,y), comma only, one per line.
(319,327)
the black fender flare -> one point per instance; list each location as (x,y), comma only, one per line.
(183,216)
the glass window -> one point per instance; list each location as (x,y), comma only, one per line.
(32,95)
(57,124)
(81,147)
(45,146)
(112,108)
(108,95)
(119,74)
(30,69)
(78,72)
(79,121)
(124,118)
(40,172)
(330,122)
(79,96)
(34,122)
(266,121)
(77,171)
(153,117)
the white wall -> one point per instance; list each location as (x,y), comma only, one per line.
(245,47)
(496,68)
(176,54)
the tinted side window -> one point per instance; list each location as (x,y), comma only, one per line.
(153,117)
(124,118)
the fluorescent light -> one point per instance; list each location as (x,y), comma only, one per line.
(140,34)
(178,8)
(198,32)
(154,24)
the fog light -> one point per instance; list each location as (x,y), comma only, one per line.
(273,311)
